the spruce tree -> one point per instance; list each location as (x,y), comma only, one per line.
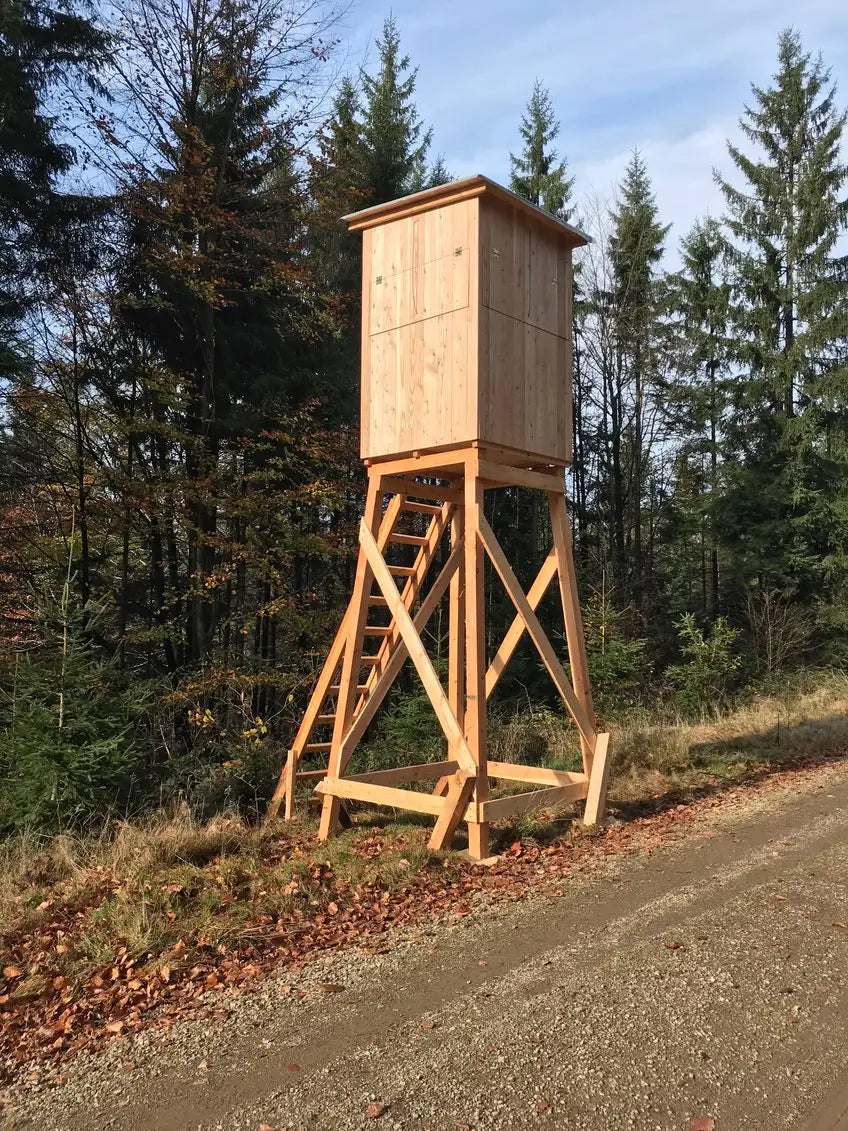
(785,511)
(394,141)
(540,178)
(438,173)
(41,44)
(338,186)
(783,226)
(701,296)
(537,172)
(636,249)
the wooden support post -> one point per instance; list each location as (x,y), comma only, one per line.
(289,773)
(574,634)
(475,662)
(352,653)
(456,629)
(596,798)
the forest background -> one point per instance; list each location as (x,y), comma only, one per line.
(179,482)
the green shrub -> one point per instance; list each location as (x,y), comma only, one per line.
(69,738)
(703,682)
(408,732)
(618,667)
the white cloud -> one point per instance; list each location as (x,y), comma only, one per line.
(681,171)
(670,77)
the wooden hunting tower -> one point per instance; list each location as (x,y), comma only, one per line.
(466,387)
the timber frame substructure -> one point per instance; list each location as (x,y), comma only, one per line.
(439,495)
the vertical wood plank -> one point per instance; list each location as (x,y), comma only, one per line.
(456,630)
(596,798)
(568,346)
(476,736)
(572,616)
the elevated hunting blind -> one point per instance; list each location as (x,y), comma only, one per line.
(466,387)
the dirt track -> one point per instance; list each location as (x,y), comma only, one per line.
(705,981)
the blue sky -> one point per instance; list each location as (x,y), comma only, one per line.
(670,78)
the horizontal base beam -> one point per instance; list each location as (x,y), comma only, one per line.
(421,771)
(381,795)
(530,802)
(379,788)
(537,775)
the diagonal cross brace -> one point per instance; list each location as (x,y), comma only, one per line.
(517,629)
(417,651)
(399,655)
(409,592)
(535,631)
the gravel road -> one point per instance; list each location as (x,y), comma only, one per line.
(705,981)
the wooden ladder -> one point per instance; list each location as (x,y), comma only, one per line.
(320,714)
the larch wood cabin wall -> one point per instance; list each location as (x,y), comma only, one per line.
(466,331)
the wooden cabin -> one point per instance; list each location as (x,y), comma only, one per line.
(466,323)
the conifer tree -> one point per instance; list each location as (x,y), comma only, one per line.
(395,143)
(636,250)
(438,173)
(783,226)
(537,172)
(41,44)
(701,295)
(540,177)
(337,185)
(791,323)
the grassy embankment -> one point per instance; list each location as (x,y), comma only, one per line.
(171,878)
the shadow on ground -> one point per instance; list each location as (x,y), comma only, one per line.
(709,769)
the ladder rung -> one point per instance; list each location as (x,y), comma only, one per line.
(370,659)
(378,629)
(420,508)
(409,539)
(403,571)
(324,720)
(381,602)
(361,689)
(307,775)
(315,747)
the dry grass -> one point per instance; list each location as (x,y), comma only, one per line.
(808,720)
(32,868)
(173,880)
(170,877)
(809,717)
